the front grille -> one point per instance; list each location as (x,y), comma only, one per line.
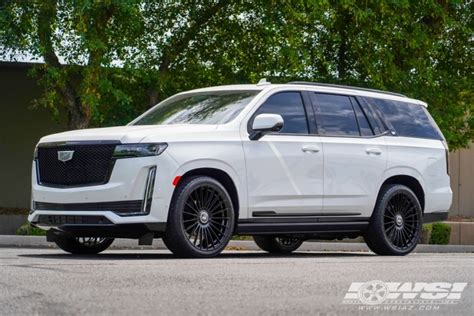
(91,164)
(120,207)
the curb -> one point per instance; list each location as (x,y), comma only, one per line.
(9,241)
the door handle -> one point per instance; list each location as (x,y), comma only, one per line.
(373,151)
(311,149)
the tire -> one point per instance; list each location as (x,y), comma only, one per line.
(276,244)
(83,245)
(395,225)
(201,218)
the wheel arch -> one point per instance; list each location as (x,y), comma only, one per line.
(409,181)
(224,178)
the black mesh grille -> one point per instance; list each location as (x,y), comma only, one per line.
(90,164)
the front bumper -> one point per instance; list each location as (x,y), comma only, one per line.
(122,200)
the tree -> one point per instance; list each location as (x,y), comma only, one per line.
(423,49)
(106,61)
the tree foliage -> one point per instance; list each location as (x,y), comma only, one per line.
(105,61)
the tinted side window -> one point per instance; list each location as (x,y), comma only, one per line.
(335,115)
(410,120)
(364,126)
(290,106)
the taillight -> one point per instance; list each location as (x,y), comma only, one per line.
(446,150)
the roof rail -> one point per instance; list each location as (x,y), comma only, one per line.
(318,84)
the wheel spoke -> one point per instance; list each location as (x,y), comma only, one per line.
(192,207)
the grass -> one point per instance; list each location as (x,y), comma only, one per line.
(28,230)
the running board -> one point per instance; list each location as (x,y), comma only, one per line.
(307,226)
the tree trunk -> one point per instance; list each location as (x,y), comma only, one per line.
(153,97)
(78,118)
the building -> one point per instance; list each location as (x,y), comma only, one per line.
(22,127)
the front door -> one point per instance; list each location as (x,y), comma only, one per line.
(285,169)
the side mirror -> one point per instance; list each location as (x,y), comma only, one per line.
(264,124)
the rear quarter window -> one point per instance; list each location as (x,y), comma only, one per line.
(408,119)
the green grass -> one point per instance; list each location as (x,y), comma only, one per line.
(28,230)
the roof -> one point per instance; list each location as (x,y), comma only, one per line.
(319,84)
(319,87)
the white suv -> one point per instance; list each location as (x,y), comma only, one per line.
(283,163)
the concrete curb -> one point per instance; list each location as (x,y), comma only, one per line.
(8,241)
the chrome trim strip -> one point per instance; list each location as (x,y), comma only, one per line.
(149,188)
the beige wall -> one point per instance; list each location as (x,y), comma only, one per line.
(462,182)
(20,129)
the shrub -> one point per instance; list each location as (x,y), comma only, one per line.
(28,230)
(426,233)
(440,234)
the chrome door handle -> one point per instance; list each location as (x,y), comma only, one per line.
(311,149)
(373,151)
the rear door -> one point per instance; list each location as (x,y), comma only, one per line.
(354,156)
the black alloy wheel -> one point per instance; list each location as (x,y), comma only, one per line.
(395,225)
(401,221)
(201,219)
(278,244)
(83,245)
(206,218)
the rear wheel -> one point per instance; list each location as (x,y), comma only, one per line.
(83,245)
(395,225)
(201,218)
(278,244)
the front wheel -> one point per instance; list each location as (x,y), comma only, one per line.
(201,219)
(83,245)
(277,244)
(395,225)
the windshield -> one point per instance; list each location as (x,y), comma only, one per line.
(203,108)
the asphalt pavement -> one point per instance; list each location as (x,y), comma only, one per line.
(137,282)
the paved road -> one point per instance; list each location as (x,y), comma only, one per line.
(47,281)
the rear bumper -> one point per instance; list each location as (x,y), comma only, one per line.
(435,217)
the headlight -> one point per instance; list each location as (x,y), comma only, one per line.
(139,150)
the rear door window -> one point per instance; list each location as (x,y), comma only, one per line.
(335,115)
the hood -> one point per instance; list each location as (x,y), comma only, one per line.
(127,134)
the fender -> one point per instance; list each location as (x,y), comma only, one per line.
(237,176)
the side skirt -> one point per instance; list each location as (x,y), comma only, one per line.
(302,225)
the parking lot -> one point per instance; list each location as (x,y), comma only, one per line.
(47,281)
